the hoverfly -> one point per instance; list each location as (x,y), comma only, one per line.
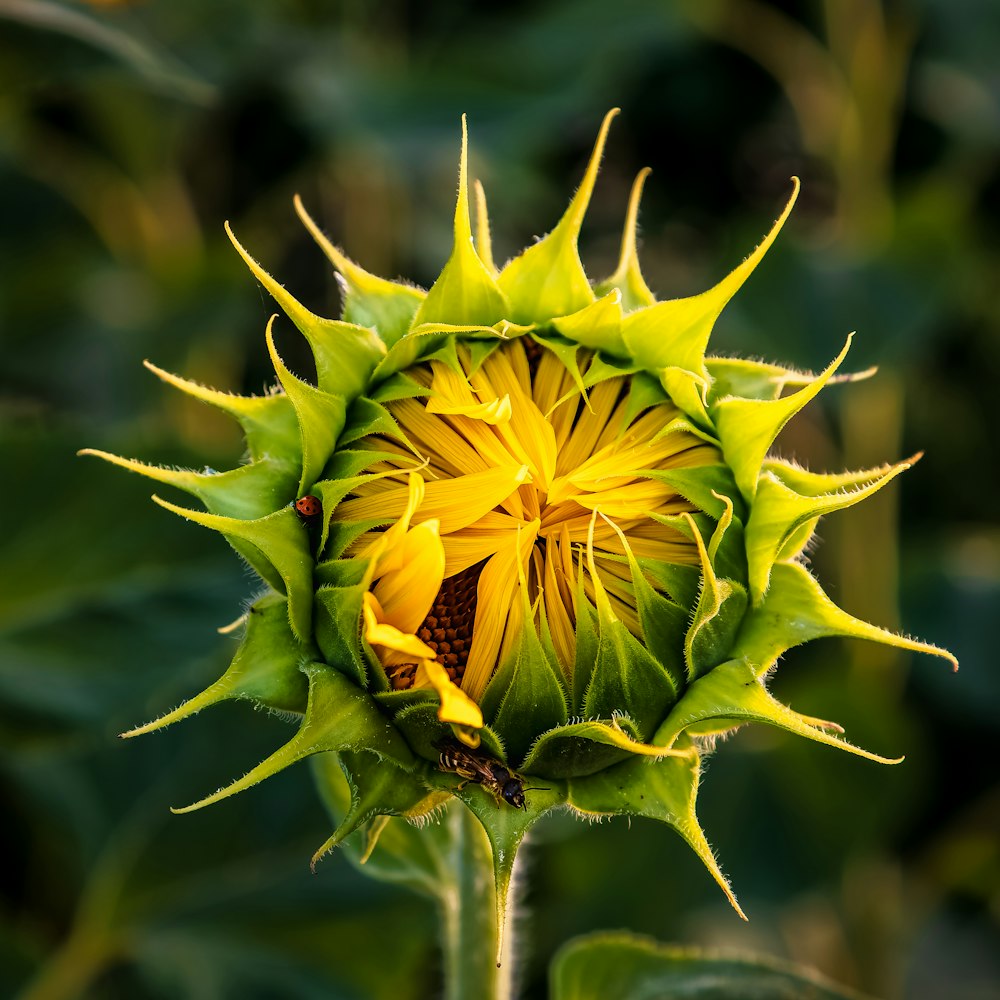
(495,777)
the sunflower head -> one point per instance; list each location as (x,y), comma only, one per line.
(523,542)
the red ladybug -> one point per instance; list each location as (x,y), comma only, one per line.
(309,508)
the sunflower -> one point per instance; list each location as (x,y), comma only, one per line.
(528,512)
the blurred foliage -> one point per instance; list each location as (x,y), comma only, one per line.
(130,131)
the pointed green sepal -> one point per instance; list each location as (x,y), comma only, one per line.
(505,828)
(339,716)
(747,427)
(780,510)
(689,392)
(645,391)
(759,380)
(377,789)
(525,696)
(583,748)
(408,350)
(596,326)
(248,492)
(548,278)
(705,486)
(567,352)
(338,629)
(321,416)
(663,789)
(663,622)
(268,422)
(628,277)
(796,610)
(675,333)
(627,679)
(717,616)
(264,670)
(484,242)
(733,694)
(465,292)
(346,354)
(390,848)
(276,546)
(369,301)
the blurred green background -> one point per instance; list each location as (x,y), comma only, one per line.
(130,131)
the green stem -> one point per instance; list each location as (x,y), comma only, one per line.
(471,938)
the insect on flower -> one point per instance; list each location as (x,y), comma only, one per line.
(309,509)
(495,777)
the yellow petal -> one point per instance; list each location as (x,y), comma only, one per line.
(496,412)
(498,585)
(478,541)
(456,706)
(456,503)
(528,435)
(408,592)
(454,395)
(384,552)
(378,633)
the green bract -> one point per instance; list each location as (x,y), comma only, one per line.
(664,653)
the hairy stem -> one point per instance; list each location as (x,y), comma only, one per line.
(472,939)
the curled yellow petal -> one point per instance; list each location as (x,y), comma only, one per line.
(407,593)
(393,640)
(457,707)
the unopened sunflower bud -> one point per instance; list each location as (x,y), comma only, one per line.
(523,540)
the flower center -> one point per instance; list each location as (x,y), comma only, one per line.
(544,478)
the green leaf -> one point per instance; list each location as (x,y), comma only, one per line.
(627,679)
(629,967)
(644,391)
(401,853)
(364,417)
(566,351)
(369,301)
(703,485)
(796,610)
(339,716)
(689,392)
(759,380)
(586,645)
(680,582)
(265,669)
(547,279)
(663,622)
(408,350)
